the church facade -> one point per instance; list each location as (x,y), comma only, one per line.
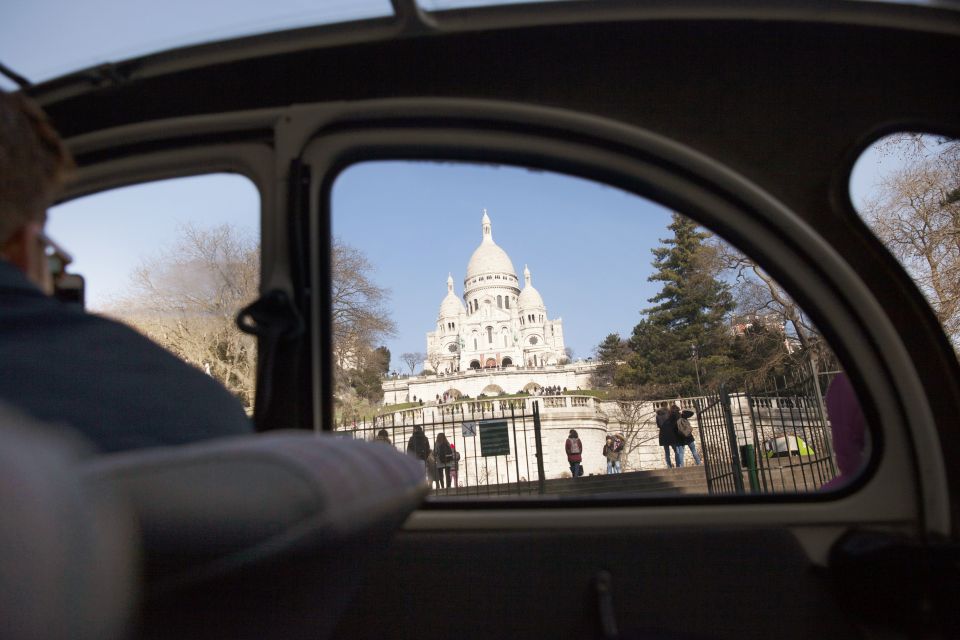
(495,339)
(497,323)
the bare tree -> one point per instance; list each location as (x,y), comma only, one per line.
(636,418)
(916,213)
(186,298)
(412,359)
(761,299)
(435,358)
(360,318)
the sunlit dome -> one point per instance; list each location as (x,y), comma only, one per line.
(529,298)
(451,306)
(488,257)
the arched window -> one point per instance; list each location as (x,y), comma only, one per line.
(475,344)
(507,301)
(505,339)
(476,305)
(499,302)
(489,335)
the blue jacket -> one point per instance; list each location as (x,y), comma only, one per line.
(121,390)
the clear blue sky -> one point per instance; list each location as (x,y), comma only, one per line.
(587,245)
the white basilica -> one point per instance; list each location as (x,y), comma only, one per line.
(501,324)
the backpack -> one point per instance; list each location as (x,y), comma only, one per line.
(575,446)
(684,428)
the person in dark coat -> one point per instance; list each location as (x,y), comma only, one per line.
(60,364)
(668,439)
(444,457)
(419,447)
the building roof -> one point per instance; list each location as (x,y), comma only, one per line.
(529,298)
(451,306)
(488,258)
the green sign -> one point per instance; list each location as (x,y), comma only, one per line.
(494,438)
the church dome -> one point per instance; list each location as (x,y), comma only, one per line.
(488,257)
(451,306)
(529,298)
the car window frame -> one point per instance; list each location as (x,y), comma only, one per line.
(613,153)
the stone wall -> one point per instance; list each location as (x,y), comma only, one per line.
(475,381)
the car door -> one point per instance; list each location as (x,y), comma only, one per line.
(745,125)
(705,566)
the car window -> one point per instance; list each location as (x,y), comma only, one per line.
(174,259)
(525,332)
(906,186)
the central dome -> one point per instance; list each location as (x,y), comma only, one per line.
(488,257)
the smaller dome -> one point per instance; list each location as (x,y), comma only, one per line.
(451,306)
(529,298)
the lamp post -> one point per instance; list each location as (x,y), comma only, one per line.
(695,355)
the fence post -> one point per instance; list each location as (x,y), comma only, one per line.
(752,468)
(822,408)
(733,443)
(541,485)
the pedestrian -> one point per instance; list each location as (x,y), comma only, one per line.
(574,450)
(611,454)
(667,437)
(688,440)
(443,453)
(674,419)
(454,466)
(619,442)
(419,447)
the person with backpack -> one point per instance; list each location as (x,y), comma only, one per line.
(574,450)
(454,467)
(668,437)
(685,431)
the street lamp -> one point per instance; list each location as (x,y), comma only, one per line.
(694,353)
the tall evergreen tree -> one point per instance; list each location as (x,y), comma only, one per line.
(610,353)
(689,313)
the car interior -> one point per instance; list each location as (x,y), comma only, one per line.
(745,116)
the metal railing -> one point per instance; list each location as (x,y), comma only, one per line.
(498,443)
(775,438)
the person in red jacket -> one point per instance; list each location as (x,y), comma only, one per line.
(574,450)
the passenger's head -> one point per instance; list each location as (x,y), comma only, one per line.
(33,166)
(573,433)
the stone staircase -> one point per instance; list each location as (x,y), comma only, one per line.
(685,480)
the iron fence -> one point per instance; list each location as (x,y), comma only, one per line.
(774,438)
(498,442)
(792,443)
